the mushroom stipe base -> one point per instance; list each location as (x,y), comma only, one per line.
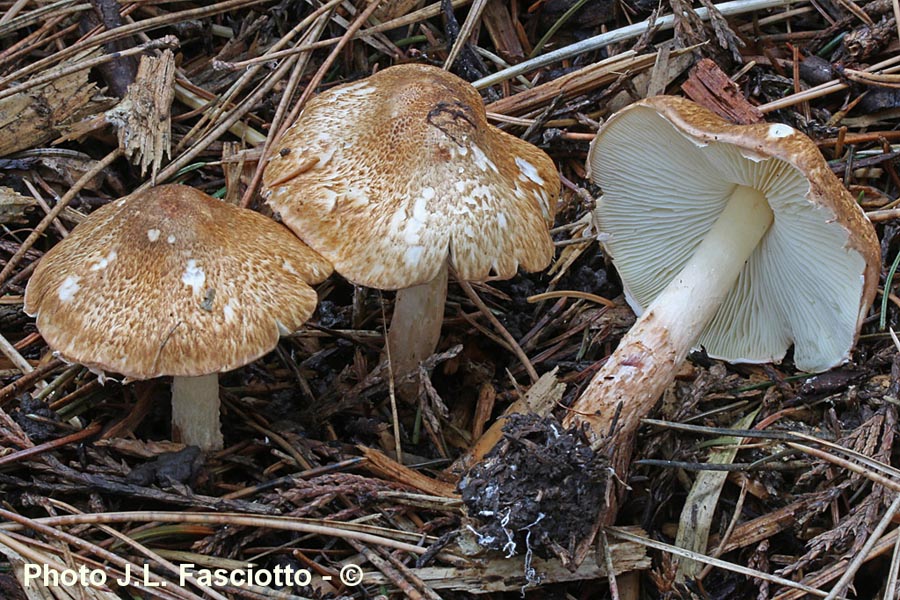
(195,411)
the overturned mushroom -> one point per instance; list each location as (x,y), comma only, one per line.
(170,281)
(392,176)
(738,239)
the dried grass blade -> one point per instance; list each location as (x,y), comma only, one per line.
(624,535)
(123,32)
(700,505)
(465,32)
(630,32)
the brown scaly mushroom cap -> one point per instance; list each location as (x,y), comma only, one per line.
(170,281)
(403,167)
(811,279)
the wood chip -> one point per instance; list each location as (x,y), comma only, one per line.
(30,119)
(14,207)
(143,118)
(578,82)
(384,466)
(502,30)
(540,399)
(709,86)
(669,65)
(499,574)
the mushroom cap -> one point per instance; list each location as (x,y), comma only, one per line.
(408,170)
(169,281)
(667,168)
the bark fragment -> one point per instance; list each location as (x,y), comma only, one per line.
(31,118)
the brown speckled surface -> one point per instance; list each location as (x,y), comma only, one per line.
(172,282)
(409,171)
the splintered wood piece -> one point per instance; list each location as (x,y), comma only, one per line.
(540,399)
(143,119)
(669,65)
(14,207)
(31,118)
(384,466)
(487,395)
(572,84)
(502,31)
(710,87)
(500,574)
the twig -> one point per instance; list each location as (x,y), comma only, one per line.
(834,571)
(624,535)
(726,537)
(210,112)
(392,389)
(513,344)
(326,64)
(62,231)
(850,572)
(465,32)
(169,41)
(13,10)
(630,32)
(890,588)
(279,117)
(570,294)
(85,546)
(849,465)
(314,526)
(26,381)
(219,104)
(55,9)
(15,358)
(123,32)
(388,570)
(142,549)
(51,445)
(414,17)
(224,125)
(867,461)
(57,210)
(610,568)
(824,89)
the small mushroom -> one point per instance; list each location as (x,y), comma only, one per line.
(391,176)
(737,239)
(170,281)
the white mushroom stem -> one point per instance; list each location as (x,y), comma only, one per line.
(195,411)
(416,324)
(648,356)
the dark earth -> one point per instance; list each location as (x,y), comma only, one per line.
(538,490)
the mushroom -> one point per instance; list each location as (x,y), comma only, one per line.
(391,176)
(737,239)
(169,281)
